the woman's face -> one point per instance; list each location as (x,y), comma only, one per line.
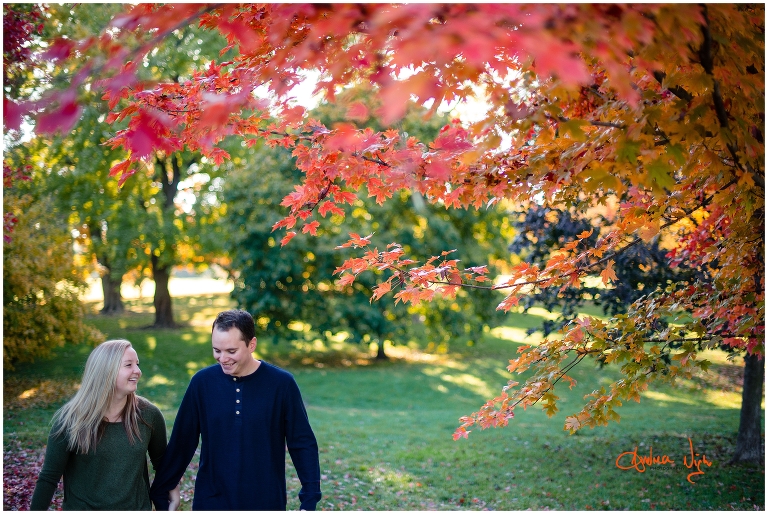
(129,373)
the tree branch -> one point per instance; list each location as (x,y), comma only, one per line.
(371,159)
(678,91)
(146,47)
(707,61)
(608,124)
(564,371)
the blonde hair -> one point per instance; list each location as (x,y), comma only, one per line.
(82,418)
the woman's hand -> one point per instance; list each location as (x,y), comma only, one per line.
(175,497)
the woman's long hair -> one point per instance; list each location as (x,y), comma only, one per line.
(82,419)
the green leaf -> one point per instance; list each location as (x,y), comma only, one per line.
(628,151)
(660,173)
(573,127)
(598,176)
(676,153)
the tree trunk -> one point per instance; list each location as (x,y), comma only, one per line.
(113,300)
(380,355)
(168,170)
(749,442)
(110,286)
(163,305)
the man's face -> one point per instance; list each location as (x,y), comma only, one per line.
(231,351)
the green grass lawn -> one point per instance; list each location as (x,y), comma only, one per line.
(384,428)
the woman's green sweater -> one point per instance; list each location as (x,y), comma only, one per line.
(113,477)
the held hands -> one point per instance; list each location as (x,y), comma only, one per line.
(175,497)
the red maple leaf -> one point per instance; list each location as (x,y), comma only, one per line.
(12,114)
(145,135)
(61,119)
(357,111)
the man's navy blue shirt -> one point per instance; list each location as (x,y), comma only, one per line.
(246,424)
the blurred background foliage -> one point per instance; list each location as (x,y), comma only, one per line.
(295,283)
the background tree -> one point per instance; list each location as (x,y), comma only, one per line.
(41,284)
(78,165)
(658,108)
(296,283)
(542,231)
(641,269)
(143,224)
(171,235)
(108,219)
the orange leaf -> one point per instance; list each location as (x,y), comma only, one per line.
(460,432)
(608,274)
(311,228)
(356,241)
(346,280)
(345,196)
(125,176)
(290,235)
(327,207)
(287,222)
(381,290)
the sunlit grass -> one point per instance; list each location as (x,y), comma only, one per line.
(665,398)
(724,399)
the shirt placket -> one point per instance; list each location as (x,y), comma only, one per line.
(238,407)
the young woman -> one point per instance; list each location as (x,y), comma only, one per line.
(100,439)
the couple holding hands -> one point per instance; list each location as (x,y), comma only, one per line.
(244,411)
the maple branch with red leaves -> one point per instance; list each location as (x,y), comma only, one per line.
(157,39)
(371,159)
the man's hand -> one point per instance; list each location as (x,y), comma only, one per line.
(175,497)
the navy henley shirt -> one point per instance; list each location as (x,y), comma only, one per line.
(246,424)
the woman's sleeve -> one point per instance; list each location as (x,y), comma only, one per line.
(56,457)
(159,439)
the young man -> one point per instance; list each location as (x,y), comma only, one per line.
(246,412)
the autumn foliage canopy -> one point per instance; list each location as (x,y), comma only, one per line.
(652,114)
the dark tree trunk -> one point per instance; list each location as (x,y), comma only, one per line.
(169,171)
(113,300)
(749,442)
(163,305)
(110,285)
(380,355)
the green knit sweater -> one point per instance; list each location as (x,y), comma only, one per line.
(113,477)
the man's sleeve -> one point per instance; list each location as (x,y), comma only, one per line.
(181,448)
(302,447)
